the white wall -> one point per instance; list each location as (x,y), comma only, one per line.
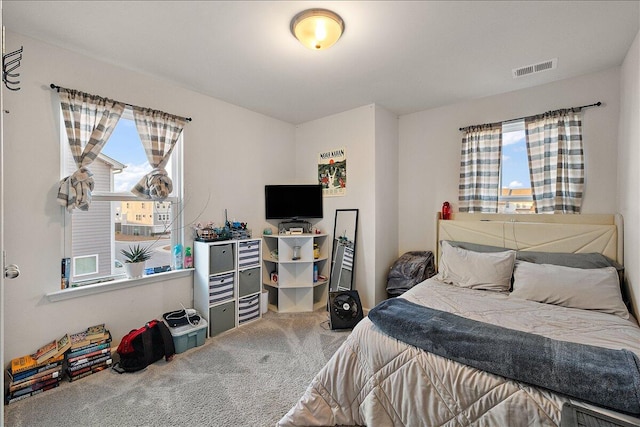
(430,148)
(355,131)
(386,194)
(628,167)
(370,136)
(230,153)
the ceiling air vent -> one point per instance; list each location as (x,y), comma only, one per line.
(535,68)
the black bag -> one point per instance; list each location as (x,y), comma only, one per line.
(141,347)
(409,270)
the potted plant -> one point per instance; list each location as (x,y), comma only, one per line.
(135,258)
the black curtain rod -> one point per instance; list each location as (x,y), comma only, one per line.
(57,88)
(597,104)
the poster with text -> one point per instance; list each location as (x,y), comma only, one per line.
(332,172)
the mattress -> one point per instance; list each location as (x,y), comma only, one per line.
(376,380)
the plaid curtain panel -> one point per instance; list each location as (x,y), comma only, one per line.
(480,169)
(159,133)
(556,160)
(89,121)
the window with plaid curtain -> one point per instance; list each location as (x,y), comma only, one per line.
(556,160)
(555,156)
(480,168)
(159,133)
(89,120)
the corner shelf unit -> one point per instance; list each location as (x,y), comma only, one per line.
(295,289)
(227,288)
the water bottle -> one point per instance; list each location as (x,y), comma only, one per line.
(315,272)
(177,257)
(188,258)
(446,210)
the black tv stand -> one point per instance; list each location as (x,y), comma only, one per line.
(286,226)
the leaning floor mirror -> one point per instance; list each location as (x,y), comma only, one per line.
(344,250)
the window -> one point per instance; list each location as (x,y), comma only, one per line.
(116,218)
(555,165)
(515,194)
(85,265)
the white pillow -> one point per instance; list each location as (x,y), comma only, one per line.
(590,289)
(477,270)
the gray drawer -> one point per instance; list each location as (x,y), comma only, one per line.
(222,318)
(221,258)
(249,281)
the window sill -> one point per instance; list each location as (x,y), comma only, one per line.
(98,288)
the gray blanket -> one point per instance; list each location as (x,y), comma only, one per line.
(604,377)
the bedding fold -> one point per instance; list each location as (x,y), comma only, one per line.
(604,377)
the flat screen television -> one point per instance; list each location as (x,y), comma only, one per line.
(293,201)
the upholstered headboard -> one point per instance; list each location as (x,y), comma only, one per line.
(530,232)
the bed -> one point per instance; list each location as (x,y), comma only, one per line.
(562,287)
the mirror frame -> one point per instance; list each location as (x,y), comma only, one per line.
(334,280)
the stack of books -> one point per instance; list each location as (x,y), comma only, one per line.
(90,352)
(35,373)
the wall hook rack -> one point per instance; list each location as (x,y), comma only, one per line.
(10,63)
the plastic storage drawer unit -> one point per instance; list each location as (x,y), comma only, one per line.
(189,336)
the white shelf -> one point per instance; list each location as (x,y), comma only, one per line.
(237,264)
(295,290)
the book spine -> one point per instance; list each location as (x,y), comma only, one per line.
(92,344)
(27,383)
(106,337)
(96,332)
(80,375)
(88,349)
(87,361)
(91,363)
(10,399)
(65,273)
(24,374)
(46,352)
(33,387)
(42,374)
(89,370)
(88,355)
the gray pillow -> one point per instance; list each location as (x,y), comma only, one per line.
(574,260)
(476,270)
(588,289)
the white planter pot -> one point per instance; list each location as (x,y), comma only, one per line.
(134,269)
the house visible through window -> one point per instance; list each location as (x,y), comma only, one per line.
(117,219)
(515,182)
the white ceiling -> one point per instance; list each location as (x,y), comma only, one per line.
(405,56)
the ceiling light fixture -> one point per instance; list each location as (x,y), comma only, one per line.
(317,29)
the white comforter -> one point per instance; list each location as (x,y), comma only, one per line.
(375,380)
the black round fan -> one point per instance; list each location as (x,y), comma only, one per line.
(345,309)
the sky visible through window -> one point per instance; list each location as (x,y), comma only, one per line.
(124,146)
(515,164)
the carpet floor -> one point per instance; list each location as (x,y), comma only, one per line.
(249,376)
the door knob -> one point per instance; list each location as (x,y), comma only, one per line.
(11,271)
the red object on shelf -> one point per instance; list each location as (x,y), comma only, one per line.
(446,210)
